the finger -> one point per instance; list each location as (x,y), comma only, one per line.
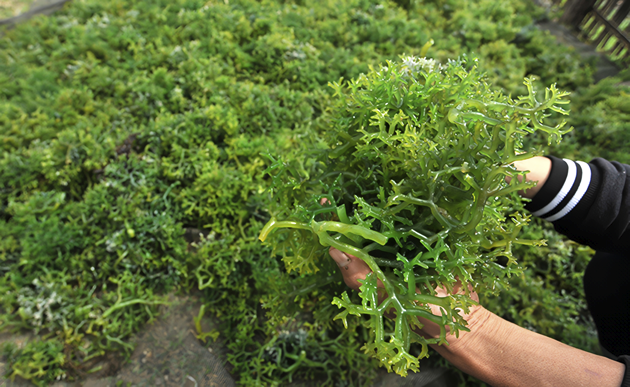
(442,291)
(342,259)
(352,268)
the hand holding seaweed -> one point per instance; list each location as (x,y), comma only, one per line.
(414,185)
(354,272)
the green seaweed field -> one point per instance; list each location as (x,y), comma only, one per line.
(134,140)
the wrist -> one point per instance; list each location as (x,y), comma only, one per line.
(539,169)
(479,320)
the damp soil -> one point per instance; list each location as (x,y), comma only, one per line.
(168,354)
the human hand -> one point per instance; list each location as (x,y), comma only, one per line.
(354,269)
(539,169)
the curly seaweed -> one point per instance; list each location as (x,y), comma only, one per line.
(414,182)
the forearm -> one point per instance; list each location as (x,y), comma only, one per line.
(589,203)
(503,354)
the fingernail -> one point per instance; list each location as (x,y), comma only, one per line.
(340,257)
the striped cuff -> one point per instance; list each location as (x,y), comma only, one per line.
(566,186)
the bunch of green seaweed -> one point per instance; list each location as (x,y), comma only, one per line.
(413,182)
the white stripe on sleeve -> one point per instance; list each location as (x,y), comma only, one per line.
(566,187)
(584,183)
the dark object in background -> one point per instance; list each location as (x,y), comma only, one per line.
(127,146)
(576,10)
(599,23)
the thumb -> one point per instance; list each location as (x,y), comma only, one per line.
(352,268)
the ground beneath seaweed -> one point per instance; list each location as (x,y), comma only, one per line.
(168,354)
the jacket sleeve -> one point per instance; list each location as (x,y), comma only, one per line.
(589,203)
(626,377)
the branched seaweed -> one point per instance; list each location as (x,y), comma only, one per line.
(414,182)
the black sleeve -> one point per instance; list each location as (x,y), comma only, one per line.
(589,203)
(626,377)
